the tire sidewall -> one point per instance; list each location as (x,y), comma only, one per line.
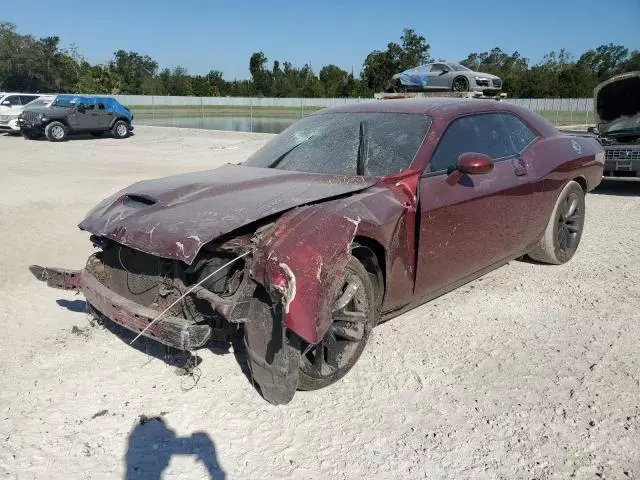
(48,132)
(458,79)
(114,130)
(561,255)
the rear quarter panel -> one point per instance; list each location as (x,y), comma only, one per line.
(555,161)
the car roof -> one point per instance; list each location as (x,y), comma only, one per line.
(438,107)
(444,109)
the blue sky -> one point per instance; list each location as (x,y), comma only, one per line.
(204,35)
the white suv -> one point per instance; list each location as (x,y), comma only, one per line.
(12,105)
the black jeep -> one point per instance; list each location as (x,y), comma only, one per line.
(76,114)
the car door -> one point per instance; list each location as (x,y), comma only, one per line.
(104,115)
(437,77)
(88,118)
(470,222)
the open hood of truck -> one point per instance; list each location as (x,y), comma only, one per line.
(617,105)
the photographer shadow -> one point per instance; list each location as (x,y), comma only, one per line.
(152,444)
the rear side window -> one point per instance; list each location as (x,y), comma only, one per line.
(13,100)
(521,135)
(27,98)
(482,133)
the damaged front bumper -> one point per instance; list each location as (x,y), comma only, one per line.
(171,331)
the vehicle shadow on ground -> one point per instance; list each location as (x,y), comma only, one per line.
(81,136)
(152,444)
(622,187)
(170,356)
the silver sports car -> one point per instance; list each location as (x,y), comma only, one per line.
(444,76)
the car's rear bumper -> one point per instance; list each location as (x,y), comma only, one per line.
(172,331)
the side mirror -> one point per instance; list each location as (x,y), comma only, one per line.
(6,103)
(80,108)
(474,163)
(593,130)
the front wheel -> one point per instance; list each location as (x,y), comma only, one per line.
(355,313)
(460,84)
(56,132)
(120,129)
(564,230)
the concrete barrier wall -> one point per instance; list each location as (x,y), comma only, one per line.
(536,104)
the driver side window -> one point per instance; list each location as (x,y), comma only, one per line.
(481,133)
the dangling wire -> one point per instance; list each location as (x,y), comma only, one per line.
(188,292)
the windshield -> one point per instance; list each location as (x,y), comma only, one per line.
(346,144)
(456,67)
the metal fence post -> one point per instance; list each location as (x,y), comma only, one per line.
(301,107)
(570,113)
(153,109)
(250,114)
(202,107)
(586,117)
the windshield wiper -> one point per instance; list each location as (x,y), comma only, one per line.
(363,149)
(277,161)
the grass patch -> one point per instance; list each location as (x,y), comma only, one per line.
(559,117)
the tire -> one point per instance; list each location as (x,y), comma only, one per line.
(120,129)
(29,135)
(460,84)
(564,230)
(56,132)
(96,134)
(331,359)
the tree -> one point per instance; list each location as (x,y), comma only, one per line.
(379,67)
(605,61)
(260,75)
(335,81)
(132,69)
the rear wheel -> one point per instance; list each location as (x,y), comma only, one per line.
(460,84)
(355,313)
(564,230)
(56,132)
(120,129)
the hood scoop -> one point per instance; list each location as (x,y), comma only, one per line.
(137,201)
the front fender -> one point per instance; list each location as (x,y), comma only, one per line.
(301,263)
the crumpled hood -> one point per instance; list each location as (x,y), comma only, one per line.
(617,104)
(174,217)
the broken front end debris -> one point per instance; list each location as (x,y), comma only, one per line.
(229,284)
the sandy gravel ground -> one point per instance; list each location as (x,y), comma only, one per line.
(530,372)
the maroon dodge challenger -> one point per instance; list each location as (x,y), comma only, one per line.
(349,217)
